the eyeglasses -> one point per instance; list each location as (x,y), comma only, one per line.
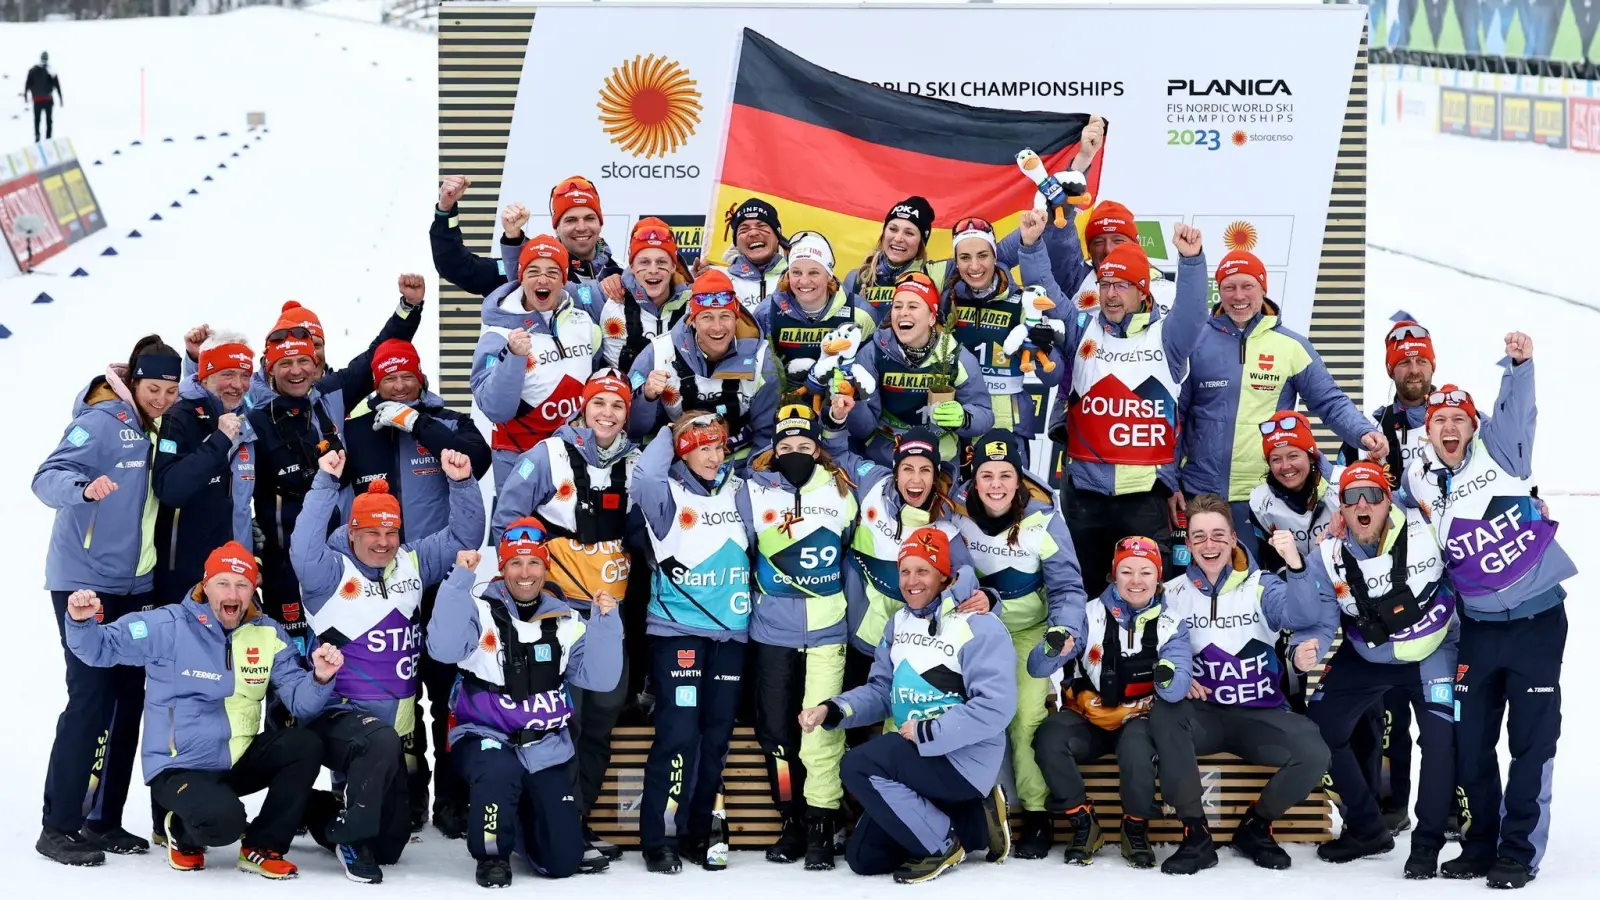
(1137,544)
(973,224)
(522,534)
(1283,423)
(283,334)
(1354,495)
(1408,331)
(1456,397)
(718,300)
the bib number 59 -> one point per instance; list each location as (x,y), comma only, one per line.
(819,557)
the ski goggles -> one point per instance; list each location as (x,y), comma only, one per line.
(1409,331)
(973,223)
(283,334)
(1137,545)
(524,534)
(1456,397)
(716,300)
(652,236)
(1284,423)
(1351,496)
(574,183)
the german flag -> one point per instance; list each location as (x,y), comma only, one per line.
(833,154)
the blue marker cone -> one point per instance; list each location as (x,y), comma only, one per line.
(222,165)
(208,178)
(137,144)
(4,332)
(44,298)
(193,191)
(176,205)
(155,217)
(199,137)
(235,154)
(116,153)
(135,233)
(166,140)
(109,251)
(97,162)
(222,134)
(78,273)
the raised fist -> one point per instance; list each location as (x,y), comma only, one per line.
(1089,143)
(468,559)
(1032,226)
(1519,347)
(1187,237)
(457,466)
(326,662)
(229,424)
(82,605)
(194,338)
(520,342)
(604,603)
(412,287)
(513,218)
(451,189)
(332,462)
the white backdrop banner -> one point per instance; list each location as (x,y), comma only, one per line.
(1226,117)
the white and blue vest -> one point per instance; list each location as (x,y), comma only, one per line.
(702,575)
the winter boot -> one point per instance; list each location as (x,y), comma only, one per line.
(1350,846)
(819,841)
(1508,874)
(791,842)
(1467,866)
(68,849)
(1396,820)
(116,840)
(1197,852)
(1136,843)
(359,864)
(494,873)
(266,863)
(997,820)
(593,861)
(1423,863)
(450,819)
(607,849)
(178,857)
(1086,837)
(663,861)
(927,868)
(1253,839)
(1037,835)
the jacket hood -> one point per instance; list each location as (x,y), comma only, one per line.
(503,309)
(196,605)
(739,267)
(583,438)
(889,346)
(107,389)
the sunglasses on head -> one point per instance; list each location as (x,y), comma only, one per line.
(283,334)
(973,224)
(708,420)
(1353,495)
(1408,331)
(1144,544)
(519,534)
(718,300)
(655,235)
(576,183)
(1285,423)
(1448,398)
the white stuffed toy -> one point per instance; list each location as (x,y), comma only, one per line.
(1055,191)
(1035,302)
(836,370)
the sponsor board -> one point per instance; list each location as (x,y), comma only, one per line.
(46,180)
(1583,124)
(1541,120)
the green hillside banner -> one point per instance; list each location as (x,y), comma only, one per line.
(1559,30)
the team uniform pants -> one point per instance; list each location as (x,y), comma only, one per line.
(1098,521)
(437,681)
(698,682)
(1189,729)
(1066,739)
(284,762)
(594,715)
(1509,667)
(369,754)
(1352,690)
(1031,693)
(801,767)
(97,735)
(510,808)
(912,803)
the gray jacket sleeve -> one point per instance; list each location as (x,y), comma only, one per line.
(595,663)
(1509,432)
(989,669)
(453,629)
(436,553)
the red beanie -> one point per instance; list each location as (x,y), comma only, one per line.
(377,508)
(1136,548)
(607,381)
(542,247)
(1126,262)
(921,287)
(931,544)
(223,357)
(232,557)
(524,537)
(574,191)
(1450,395)
(1405,340)
(1364,471)
(1287,429)
(1241,262)
(288,348)
(395,355)
(712,290)
(296,316)
(1111,217)
(652,233)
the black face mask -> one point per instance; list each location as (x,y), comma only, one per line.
(796,468)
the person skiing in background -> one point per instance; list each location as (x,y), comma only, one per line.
(534,356)
(1134,650)
(947,680)
(521,653)
(1235,702)
(97,479)
(1383,583)
(205,465)
(363,592)
(43,87)
(1475,485)
(397,434)
(209,663)
(1245,367)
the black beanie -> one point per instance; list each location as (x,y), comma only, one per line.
(916,210)
(996,446)
(797,420)
(761,211)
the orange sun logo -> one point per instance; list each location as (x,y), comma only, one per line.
(670,395)
(687,518)
(872,514)
(1086,351)
(350,589)
(1341,590)
(1095,653)
(649,106)
(565,491)
(614,328)
(1240,235)
(768,517)
(1088,300)
(1240,139)
(489,643)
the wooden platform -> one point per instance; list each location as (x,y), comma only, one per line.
(1229,788)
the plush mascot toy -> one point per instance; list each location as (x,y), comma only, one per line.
(836,370)
(1035,302)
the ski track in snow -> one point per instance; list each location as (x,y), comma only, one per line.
(330,205)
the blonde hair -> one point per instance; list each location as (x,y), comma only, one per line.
(867,275)
(1210,503)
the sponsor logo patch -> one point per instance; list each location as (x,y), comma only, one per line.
(138,631)
(77,437)
(541,653)
(687,695)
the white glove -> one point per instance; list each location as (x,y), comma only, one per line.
(394,414)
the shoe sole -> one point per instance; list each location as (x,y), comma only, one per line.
(1271,867)
(1209,864)
(254,869)
(85,864)
(171,845)
(1421,876)
(949,862)
(999,797)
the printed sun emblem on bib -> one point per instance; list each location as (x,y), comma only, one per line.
(565,491)
(649,106)
(1095,654)
(687,518)
(768,517)
(872,514)
(1427,509)
(1086,351)
(489,643)
(1341,590)
(350,589)
(1088,300)
(613,328)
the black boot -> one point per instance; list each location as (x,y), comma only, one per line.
(1197,852)
(1350,846)
(68,849)
(116,840)
(1086,837)
(1037,835)
(819,841)
(451,819)
(1136,843)
(494,873)
(1508,874)
(1253,839)
(791,842)
(1467,866)
(663,861)
(607,849)
(1423,863)
(1396,820)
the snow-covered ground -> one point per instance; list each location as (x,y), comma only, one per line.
(331,204)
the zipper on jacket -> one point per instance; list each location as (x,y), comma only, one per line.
(172,732)
(1215,589)
(227,654)
(172,545)
(277,517)
(88,536)
(1242,340)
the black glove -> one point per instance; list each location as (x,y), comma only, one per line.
(1042,335)
(835,715)
(1165,672)
(1054,640)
